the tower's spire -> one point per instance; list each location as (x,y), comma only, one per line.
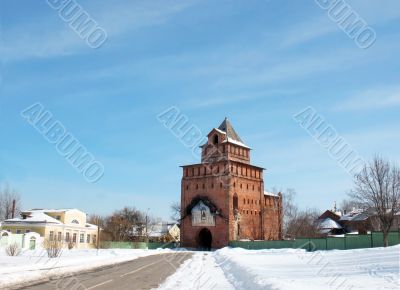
(227,127)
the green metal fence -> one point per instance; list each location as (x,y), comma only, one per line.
(375,239)
(136,245)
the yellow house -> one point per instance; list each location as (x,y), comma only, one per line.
(67,226)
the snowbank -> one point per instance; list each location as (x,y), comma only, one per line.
(35,265)
(376,268)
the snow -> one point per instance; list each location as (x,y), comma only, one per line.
(199,272)
(329,223)
(33,265)
(376,268)
(270,194)
(236,142)
(34,216)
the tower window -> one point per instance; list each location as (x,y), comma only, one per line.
(215,139)
(235,202)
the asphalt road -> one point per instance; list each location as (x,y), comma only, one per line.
(142,273)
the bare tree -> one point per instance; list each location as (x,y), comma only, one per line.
(377,187)
(289,208)
(176,211)
(303,224)
(7,197)
(122,223)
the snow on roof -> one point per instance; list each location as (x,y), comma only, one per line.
(220,131)
(270,194)
(34,217)
(351,215)
(230,140)
(92,226)
(329,223)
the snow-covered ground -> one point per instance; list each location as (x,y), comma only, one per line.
(35,265)
(376,268)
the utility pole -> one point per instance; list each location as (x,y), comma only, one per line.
(98,233)
(13,209)
(146,226)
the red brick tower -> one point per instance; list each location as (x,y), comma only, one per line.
(223,198)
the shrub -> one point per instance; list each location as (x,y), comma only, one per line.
(53,248)
(71,245)
(13,250)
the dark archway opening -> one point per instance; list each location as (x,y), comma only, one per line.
(215,141)
(205,240)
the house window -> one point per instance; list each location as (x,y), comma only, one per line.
(75,222)
(88,239)
(74,238)
(51,236)
(81,238)
(59,236)
(67,237)
(94,239)
(18,231)
(27,231)
(58,217)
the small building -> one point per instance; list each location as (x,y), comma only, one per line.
(356,220)
(67,226)
(328,226)
(157,232)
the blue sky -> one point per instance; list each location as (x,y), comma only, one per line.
(256,62)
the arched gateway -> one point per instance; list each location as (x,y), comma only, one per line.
(204,240)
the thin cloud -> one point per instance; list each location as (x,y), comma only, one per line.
(53,38)
(372,99)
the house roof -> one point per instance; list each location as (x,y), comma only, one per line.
(329,223)
(34,216)
(354,215)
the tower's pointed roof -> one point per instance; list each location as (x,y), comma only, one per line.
(231,134)
(227,127)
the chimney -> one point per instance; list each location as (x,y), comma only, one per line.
(13,209)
